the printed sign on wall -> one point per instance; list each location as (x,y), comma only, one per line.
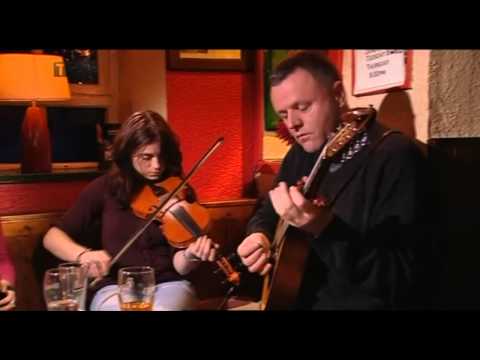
(376,71)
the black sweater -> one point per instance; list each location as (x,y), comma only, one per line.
(375,254)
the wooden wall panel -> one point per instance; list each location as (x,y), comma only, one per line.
(29,198)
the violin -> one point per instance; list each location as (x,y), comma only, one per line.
(182,221)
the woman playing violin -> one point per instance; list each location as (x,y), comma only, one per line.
(145,152)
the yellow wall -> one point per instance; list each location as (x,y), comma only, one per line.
(418,96)
(142,82)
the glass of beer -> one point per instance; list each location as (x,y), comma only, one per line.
(59,289)
(136,288)
(79,272)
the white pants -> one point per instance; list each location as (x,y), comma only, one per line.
(169,296)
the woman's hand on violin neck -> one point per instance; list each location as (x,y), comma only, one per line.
(203,249)
(171,203)
(99,261)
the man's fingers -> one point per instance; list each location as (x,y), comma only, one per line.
(297,197)
(252,258)
(281,201)
(266,269)
(248,247)
(259,264)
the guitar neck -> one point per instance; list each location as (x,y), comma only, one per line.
(313,176)
(282,226)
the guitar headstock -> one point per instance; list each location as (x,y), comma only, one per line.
(354,121)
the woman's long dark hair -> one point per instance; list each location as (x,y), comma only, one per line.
(141,129)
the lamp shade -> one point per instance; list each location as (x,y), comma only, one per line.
(33,77)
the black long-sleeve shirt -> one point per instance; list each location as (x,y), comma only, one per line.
(376,251)
(99,221)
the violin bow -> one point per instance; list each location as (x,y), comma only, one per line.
(153,215)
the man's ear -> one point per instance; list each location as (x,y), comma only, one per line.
(339,94)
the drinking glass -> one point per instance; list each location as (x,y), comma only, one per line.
(79,274)
(136,288)
(59,289)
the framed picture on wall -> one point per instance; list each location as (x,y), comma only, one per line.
(81,64)
(88,70)
(210,59)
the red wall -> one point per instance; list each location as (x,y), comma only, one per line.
(203,106)
(336,57)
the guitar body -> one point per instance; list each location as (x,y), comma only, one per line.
(281,287)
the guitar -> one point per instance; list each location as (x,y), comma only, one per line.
(290,247)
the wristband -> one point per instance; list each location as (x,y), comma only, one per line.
(83,252)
